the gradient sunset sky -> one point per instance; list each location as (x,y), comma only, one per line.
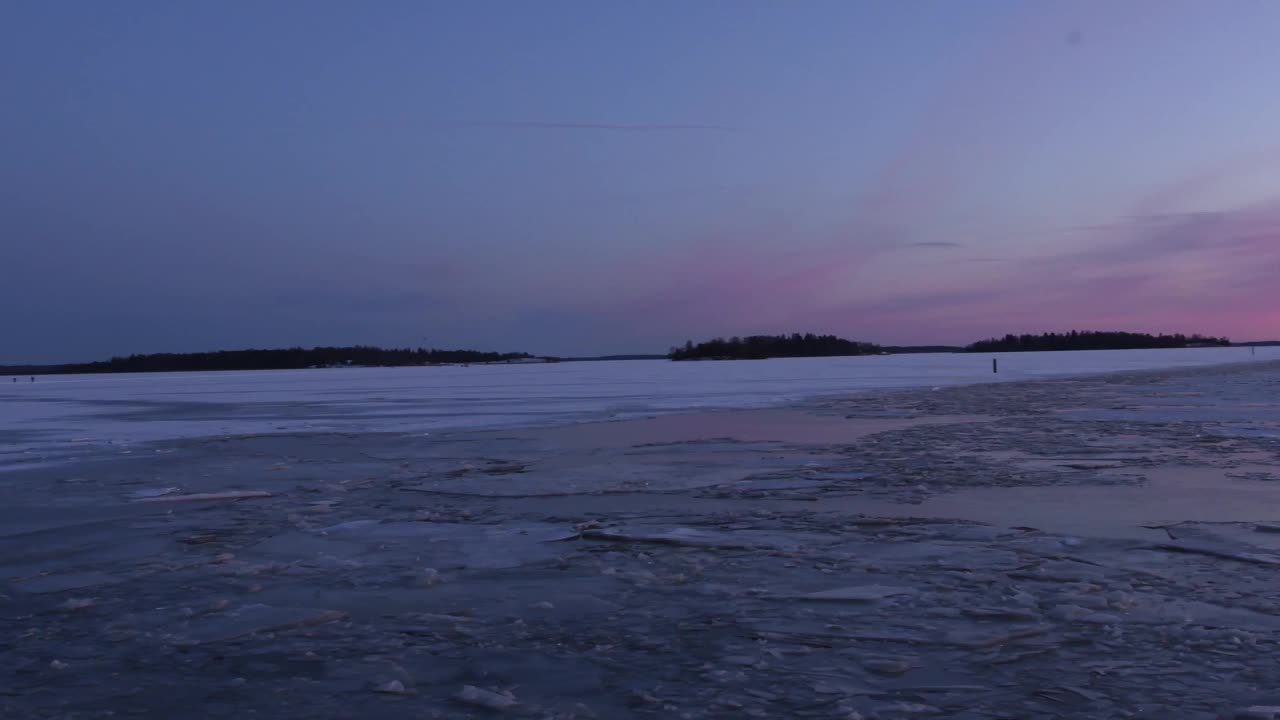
(606,177)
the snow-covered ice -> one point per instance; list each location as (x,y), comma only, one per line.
(56,417)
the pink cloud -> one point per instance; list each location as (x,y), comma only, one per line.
(1200,272)
(1211,272)
(581,125)
(739,283)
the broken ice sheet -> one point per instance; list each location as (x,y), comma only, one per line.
(735,540)
(252,619)
(152,492)
(856,593)
(437,545)
(67,581)
(200,497)
(480,697)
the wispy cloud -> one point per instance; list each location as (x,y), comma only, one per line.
(616,127)
(1193,271)
(927,300)
(933,244)
(1173,264)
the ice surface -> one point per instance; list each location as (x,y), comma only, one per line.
(623,583)
(59,418)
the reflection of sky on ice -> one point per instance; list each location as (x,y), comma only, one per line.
(58,417)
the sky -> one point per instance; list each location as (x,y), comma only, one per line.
(597,176)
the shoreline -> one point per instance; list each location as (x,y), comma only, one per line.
(973,551)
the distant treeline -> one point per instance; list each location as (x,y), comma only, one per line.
(602,358)
(759,347)
(282,359)
(919,349)
(1092,340)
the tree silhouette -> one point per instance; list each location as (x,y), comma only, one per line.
(759,347)
(1093,340)
(282,359)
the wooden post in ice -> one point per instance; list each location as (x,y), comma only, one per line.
(994,367)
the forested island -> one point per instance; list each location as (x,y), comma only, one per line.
(760,347)
(1093,340)
(920,349)
(279,359)
(753,347)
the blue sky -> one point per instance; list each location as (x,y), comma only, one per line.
(598,177)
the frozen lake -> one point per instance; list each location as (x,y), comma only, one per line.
(865,527)
(59,417)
